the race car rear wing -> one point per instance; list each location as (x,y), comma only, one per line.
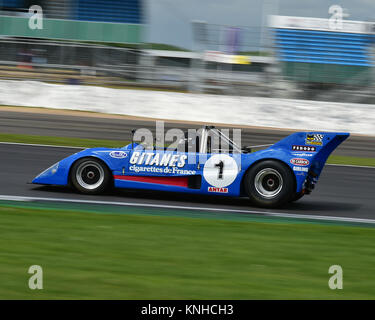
(319,144)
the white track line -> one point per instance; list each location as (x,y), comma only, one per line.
(70,147)
(41,145)
(164,206)
(349,165)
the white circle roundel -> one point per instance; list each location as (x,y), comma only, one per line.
(220,170)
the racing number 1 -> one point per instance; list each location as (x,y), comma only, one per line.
(220,165)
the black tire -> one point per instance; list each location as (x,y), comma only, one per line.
(269,184)
(297,196)
(90,176)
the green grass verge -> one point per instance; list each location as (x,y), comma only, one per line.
(357,161)
(117,256)
(62,141)
(91,143)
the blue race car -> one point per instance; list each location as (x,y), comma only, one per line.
(281,173)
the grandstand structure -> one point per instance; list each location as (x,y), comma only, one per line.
(312,53)
(119,11)
(118,21)
(100,42)
(36,55)
(75,43)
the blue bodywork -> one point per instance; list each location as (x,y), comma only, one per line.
(304,152)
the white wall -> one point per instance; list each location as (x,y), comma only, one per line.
(252,111)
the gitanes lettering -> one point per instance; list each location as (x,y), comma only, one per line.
(158,159)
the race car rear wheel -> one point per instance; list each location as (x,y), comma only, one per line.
(90,176)
(269,184)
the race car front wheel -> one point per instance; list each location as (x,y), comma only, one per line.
(90,176)
(269,184)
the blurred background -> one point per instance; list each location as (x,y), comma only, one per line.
(320,50)
(239,59)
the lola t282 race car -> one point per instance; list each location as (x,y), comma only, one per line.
(281,173)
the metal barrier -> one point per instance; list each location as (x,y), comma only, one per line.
(70,62)
(77,63)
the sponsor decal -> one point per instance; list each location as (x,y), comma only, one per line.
(299,161)
(304,148)
(302,154)
(316,139)
(118,154)
(217,189)
(300,169)
(158,159)
(166,170)
(159,162)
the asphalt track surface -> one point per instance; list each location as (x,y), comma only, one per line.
(341,191)
(78,126)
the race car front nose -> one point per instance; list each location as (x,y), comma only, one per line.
(43,177)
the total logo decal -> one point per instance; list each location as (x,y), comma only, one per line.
(300,161)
